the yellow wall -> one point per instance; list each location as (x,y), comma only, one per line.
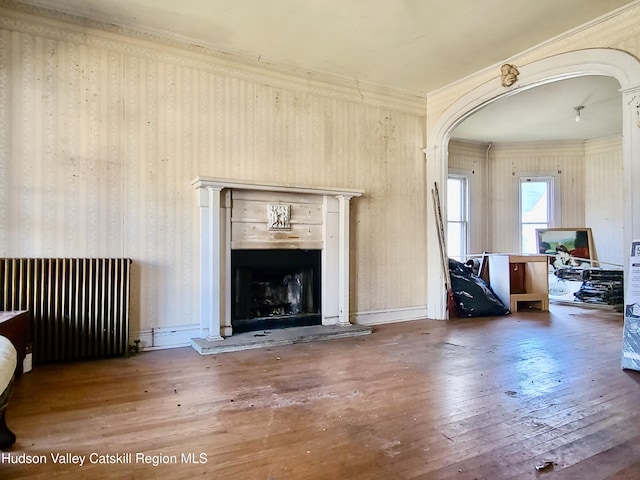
(101,135)
(603,201)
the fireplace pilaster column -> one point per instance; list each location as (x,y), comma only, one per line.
(343,261)
(211,294)
(204,299)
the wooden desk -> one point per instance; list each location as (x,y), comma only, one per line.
(16,326)
(520,280)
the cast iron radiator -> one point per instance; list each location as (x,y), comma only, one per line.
(79,306)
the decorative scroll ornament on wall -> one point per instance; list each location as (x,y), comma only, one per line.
(279,217)
(509,74)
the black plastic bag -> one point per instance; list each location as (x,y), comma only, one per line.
(473,297)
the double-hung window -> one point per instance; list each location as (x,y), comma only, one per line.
(536,209)
(457,216)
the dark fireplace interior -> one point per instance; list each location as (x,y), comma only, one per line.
(275,289)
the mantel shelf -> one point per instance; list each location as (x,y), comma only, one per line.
(221,183)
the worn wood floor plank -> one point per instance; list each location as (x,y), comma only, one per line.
(467,399)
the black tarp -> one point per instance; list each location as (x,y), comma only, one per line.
(473,297)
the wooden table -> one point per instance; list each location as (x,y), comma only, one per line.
(520,280)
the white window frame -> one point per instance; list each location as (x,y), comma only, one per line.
(465,214)
(553,202)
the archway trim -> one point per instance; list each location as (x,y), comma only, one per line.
(618,64)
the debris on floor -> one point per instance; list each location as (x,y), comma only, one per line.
(545,466)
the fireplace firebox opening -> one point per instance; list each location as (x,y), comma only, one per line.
(275,288)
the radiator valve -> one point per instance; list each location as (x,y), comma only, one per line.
(135,348)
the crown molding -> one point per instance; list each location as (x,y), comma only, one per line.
(149,45)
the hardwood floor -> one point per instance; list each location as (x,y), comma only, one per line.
(469,399)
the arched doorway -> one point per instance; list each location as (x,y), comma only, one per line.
(608,62)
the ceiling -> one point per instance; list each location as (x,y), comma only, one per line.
(415,46)
(547,113)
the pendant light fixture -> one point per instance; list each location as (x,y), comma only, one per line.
(578,110)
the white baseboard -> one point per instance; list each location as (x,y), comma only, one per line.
(174,337)
(380,317)
(165,337)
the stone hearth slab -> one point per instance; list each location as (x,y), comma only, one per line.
(277,337)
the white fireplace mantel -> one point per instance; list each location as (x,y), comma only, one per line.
(215,202)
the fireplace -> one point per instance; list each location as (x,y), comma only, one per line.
(274,288)
(262,245)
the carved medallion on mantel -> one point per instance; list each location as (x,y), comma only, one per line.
(279,217)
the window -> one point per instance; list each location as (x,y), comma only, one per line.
(457,216)
(536,209)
